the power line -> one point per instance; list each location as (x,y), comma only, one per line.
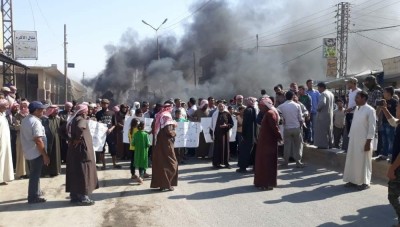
(45,19)
(186,17)
(299,41)
(314,49)
(393,3)
(378,41)
(362,51)
(374,29)
(33,15)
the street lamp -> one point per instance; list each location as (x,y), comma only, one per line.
(156,30)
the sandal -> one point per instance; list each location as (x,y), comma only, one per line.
(171,189)
(140,180)
(117,167)
(4,183)
(87,202)
(37,200)
(146,175)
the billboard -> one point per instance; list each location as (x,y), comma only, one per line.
(331,70)
(25,45)
(329,48)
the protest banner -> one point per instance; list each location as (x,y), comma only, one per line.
(187,134)
(99,134)
(205,123)
(233,130)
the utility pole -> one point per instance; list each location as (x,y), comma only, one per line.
(257,42)
(194,69)
(343,21)
(65,63)
(8,41)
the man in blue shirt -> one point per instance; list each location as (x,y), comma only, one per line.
(314,94)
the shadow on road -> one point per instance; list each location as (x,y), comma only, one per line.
(369,216)
(320,193)
(219,177)
(218,193)
(24,206)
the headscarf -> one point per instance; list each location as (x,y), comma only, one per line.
(15,104)
(163,118)
(51,110)
(268,103)
(92,105)
(4,103)
(238,97)
(68,104)
(85,103)
(251,101)
(23,110)
(79,109)
(203,103)
(115,108)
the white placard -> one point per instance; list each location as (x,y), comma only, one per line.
(25,45)
(233,130)
(127,127)
(187,134)
(205,123)
(99,134)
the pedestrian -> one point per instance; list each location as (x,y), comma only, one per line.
(141,142)
(339,123)
(221,125)
(33,139)
(121,147)
(51,123)
(323,128)
(280,95)
(306,100)
(13,123)
(202,112)
(81,174)
(266,167)
(388,131)
(293,121)
(249,135)
(314,94)
(107,117)
(358,168)
(132,130)
(6,165)
(394,169)
(64,116)
(164,163)
(192,108)
(22,168)
(180,152)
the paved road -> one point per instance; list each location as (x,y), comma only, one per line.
(205,197)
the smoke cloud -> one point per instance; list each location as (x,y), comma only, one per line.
(221,38)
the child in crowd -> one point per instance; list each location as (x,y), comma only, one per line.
(180,152)
(141,143)
(339,119)
(133,129)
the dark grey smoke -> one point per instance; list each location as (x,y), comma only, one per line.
(228,31)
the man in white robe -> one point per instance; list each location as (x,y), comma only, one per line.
(6,166)
(358,168)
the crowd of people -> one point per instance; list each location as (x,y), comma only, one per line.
(36,138)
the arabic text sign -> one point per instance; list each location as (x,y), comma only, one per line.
(25,45)
(99,134)
(206,126)
(187,134)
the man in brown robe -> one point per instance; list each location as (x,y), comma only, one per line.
(51,123)
(221,124)
(64,116)
(81,173)
(266,161)
(164,163)
(204,148)
(122,148)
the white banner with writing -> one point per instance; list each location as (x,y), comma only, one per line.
(99,134)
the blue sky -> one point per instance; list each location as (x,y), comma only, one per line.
(90,26)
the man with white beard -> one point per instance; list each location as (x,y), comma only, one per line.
(358,168)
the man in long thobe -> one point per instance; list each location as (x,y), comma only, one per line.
(64,116)
(6,165)
(222,123)
(204,147)
(323,137)
(13,123)
(358,168)
(266,167)
(249,132)
(51,124)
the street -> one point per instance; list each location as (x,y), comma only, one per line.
(204,197)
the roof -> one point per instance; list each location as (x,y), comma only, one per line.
(4,58)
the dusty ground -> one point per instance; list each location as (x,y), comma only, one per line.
(204,197)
